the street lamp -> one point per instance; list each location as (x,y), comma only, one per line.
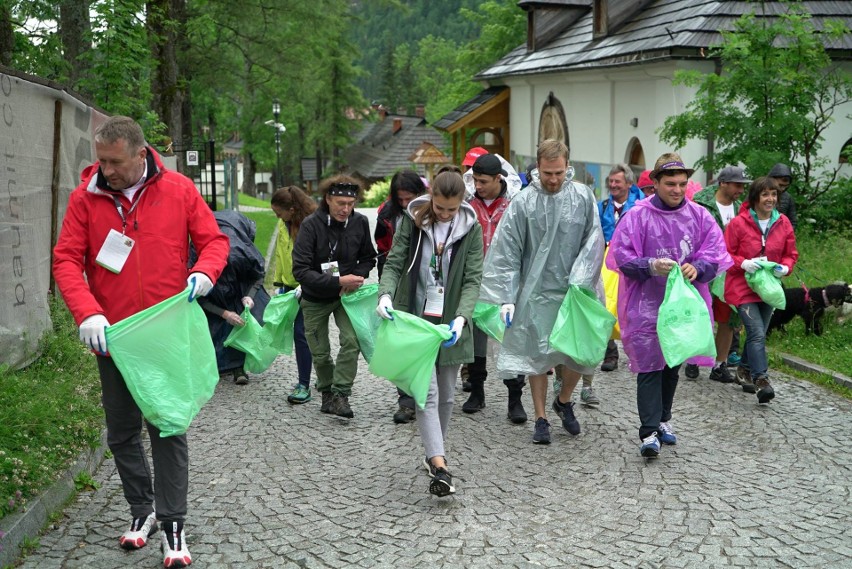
(276,113)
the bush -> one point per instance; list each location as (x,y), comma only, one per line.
(376,194)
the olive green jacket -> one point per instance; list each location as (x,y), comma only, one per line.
(404,276)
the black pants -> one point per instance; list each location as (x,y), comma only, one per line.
(124,438)
(654,396)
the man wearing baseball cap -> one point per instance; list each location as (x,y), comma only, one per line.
(490,200)
(471,157)
(723,202)
(662,231)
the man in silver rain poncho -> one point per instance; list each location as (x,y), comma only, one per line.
(549,238)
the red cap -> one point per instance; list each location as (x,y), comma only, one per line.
(645,180)
(472,155)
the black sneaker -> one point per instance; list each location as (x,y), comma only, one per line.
(327,400)
(566,413)
(765,393)
(691,371)
(403,415)
(340,407)
(240,377)
(610,363)
(721,373)
(541,435)
(442,483)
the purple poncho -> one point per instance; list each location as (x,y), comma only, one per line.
(685,235)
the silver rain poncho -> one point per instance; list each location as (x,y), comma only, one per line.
(544,243)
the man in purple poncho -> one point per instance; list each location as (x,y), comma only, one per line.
(656,234)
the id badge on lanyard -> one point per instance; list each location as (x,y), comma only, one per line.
(115,251)
(434,301)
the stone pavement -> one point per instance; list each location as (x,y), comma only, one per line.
(275,485)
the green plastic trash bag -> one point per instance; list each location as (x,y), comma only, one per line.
(256,341)
(717,286)
(583,327)
(360,306)
(406,352)
(168,362)
(486,317)
(684,327)
(764,282)
(278,319)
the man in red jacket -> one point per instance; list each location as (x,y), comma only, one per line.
(124,247)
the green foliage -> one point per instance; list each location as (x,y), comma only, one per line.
(376,194)
(776,96)
(818,265)
(84,482)
(49,413)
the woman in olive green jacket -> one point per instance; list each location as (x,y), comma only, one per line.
(433,271)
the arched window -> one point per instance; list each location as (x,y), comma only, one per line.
(552,123)
(846,153)
(635,156)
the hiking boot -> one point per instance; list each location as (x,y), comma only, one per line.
(465,377)
(666,434)
(240,377)
(140,530)
(403,415)
(476,402)
(721,373)
(734,359)
(610,363)
(516,412)
(650,446)
(691,371)
(765,393)
(300,394)
(566,413)
(340,406)
(743,377)
(442,483)
(589,398)
(327,400)
(175,552)
(541,434)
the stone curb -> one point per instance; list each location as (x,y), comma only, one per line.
(29,523)
(803,365)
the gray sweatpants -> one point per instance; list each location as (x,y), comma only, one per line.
(434,419)
(124,438)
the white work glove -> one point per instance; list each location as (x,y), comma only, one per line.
(93,333)
(298,292)
(456,327)
(750,266)
(661,267)
(385,307)
(248,302)
(233,318)
(199,283)
(507,314)
(781,270)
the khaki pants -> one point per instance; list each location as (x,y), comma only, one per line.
(332,376)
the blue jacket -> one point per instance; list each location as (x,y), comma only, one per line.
(606,210)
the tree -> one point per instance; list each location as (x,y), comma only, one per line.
(776,95)
(75,34)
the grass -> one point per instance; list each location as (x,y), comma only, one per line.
(823,258)
(245,199)
(49,413)
(265,222)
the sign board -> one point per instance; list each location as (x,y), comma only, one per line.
(192,158)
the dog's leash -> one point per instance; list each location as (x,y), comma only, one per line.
(811,276)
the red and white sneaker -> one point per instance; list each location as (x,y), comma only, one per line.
(140,530)
(175,552)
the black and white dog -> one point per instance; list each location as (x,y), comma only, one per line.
(810,304)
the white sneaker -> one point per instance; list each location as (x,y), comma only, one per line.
(140,530)
(175,552)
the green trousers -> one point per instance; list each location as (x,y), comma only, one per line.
(336,377)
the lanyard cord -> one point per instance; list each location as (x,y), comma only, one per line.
(120,210)
(438,252)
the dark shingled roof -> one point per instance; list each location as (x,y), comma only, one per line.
(378,152)
(665,29)
(468,107)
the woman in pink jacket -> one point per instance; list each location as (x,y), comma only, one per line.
(758,233)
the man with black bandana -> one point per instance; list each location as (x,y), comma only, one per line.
(332,256)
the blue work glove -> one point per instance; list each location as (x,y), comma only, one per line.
(456,327)
(507,314)
(93,333)
(199,283)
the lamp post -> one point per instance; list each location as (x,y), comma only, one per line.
(276,113)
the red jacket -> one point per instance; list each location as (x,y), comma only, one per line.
(489,215)
(169,213)
(744,241)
